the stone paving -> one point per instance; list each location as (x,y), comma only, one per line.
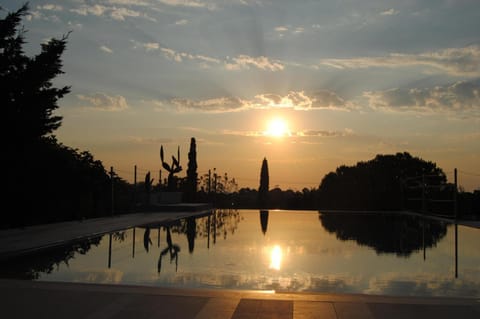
(31,299)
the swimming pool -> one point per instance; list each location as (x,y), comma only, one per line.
(381,253)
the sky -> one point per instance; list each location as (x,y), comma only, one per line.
(310,85)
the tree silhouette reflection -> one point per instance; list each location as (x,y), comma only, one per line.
(385,233)
(146,239)
(264,220)
(31,266)
(221,222)
(191,233)
(172,249)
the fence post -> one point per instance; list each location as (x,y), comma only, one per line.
(455,190)
(134,187)
(424,204)
(111,179)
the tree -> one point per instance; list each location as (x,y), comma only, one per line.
(192,175)
(49,181)
(263,189)
(28,97)
(376,184)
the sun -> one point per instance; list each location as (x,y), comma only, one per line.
(277,127)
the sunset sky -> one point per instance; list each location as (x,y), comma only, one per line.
(310,85)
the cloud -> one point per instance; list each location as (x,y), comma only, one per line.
(172,54)
(281,29)
(325,99)
(299,30)
(96,10)
(104,102)
(240,62)
(116,13)
(189,3)
(216,105)
(288,29)
(106,49)
(320,133)
(207,59)
(120,13)
(246,62)
(151,46)
(455,61)
(299,100)
(390,12)
(38,15)
(50,7)
(296,100)
(462,96)
(139,3)
(181,22)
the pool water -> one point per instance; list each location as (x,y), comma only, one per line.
(381,253)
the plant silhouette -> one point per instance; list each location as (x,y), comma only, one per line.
(172,169)
(147,242)
(171,249)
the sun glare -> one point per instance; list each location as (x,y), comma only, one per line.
(277,127)
(276,257)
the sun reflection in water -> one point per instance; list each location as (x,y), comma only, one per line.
(276,257)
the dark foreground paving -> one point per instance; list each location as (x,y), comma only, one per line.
(28,299)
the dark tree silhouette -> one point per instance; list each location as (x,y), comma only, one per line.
(396,234)
(28,97)
(47,180)
(192,175)
(375,184)
(191,233)
(263,189)
(34,265)
(264,221)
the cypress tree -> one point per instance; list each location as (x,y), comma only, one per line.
(192,171)
(263,189)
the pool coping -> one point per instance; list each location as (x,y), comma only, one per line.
(21,241)
(85,300)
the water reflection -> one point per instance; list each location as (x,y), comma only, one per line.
(385,233)
(172,249)
(191,233)
(146,239)
(33,265)
(227,249)
(276,257)
(264,221)
(220,223)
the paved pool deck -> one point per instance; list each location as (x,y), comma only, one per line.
(35,299)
